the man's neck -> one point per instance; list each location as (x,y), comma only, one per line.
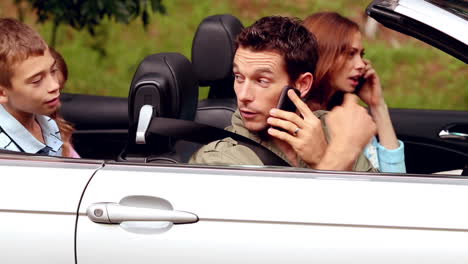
(314,106)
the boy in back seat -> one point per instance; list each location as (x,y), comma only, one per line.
(29,91)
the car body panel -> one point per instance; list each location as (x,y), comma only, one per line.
(243,214)
(238,242)
(39,199)
(258,213)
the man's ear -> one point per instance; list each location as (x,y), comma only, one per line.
(304,83)
(3,95)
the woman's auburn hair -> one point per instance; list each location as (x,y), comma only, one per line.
(334,34)
(66,128)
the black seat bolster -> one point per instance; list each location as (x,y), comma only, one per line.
(186,149)
(212,112)
(216,112)
(91,112)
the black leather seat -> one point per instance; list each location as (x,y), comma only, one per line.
(166,82)
(162,104)
(99,121)
(212,55)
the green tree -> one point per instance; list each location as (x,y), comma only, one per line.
(89,14)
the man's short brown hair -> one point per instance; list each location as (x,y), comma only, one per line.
(17,42)
(286,36)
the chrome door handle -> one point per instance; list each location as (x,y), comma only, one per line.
(455,135)
(114,213)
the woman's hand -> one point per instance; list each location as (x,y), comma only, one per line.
(371,94)
(371,91)
(304,134)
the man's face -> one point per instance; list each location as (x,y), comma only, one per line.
(260,77)
(34,87)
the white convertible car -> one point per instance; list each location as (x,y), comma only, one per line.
(145,204)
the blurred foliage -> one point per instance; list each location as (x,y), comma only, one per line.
(89,14)
(413,74)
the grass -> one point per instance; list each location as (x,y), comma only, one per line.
(413,75)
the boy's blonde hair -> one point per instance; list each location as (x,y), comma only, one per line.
(18,41)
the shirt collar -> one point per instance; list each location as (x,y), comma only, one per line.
(24,139)
(50,132)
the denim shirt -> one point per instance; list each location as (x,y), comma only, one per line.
(386,160)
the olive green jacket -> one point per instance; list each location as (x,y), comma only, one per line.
(227,151)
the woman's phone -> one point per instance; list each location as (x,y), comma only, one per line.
(361,82)
(284,103)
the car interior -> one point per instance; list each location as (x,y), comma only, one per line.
(107,127)
(106,124)
(166,83)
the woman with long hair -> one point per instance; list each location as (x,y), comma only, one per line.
(66,129)
(342,69)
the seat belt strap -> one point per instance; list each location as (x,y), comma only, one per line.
(204,134)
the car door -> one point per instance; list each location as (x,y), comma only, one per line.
(435,140)
(429,147)
(39,199)
(255,215)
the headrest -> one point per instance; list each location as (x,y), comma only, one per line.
(167,82)
(213,50)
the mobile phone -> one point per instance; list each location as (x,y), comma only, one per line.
(284,103)
(361,82)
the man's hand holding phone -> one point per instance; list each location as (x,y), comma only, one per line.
(285,103)
(304,132)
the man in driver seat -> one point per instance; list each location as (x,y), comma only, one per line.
(271,54)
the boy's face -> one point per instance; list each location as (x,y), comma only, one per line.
(34,87)
(260,77)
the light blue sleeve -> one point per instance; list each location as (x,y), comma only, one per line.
(391,160)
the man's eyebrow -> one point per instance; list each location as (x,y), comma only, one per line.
(263,70)
(257,71)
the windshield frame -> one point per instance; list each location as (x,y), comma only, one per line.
(424,21)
